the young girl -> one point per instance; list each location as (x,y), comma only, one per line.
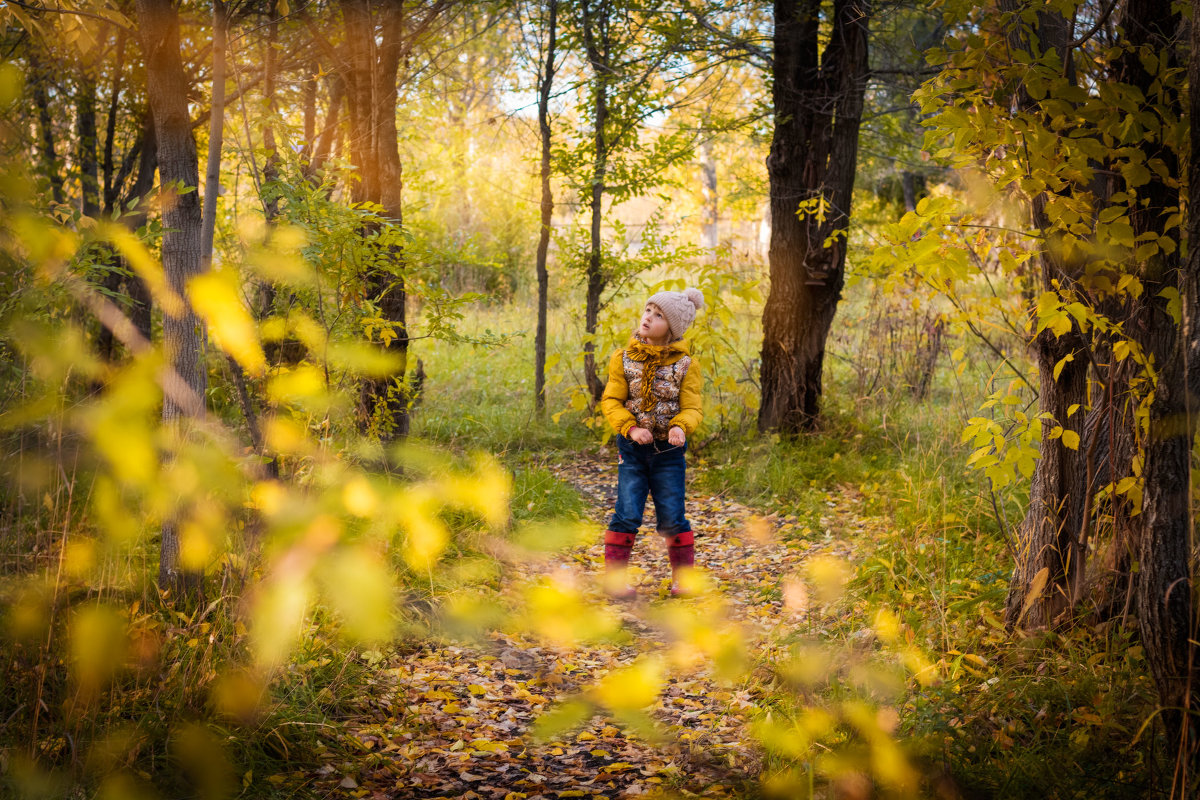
(652,401)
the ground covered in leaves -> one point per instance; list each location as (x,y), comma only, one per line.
(456,720)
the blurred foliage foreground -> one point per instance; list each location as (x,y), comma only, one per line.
(301,573)
(301,586)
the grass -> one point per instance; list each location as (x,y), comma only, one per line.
(1013,716)
(1056,716)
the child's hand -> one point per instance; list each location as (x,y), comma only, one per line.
(676,436)
(640,435)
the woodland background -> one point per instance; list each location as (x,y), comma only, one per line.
(299,333)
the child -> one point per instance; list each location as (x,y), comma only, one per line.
(652,401)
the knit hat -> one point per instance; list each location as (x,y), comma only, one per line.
(679,308)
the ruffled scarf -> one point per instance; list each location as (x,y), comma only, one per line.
(651,357)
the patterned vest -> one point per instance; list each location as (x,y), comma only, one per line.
(656,403)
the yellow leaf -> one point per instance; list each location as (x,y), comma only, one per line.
(1058,368)
(215,298)
(279,610)
(1070,439)
(632,687)
(361,590)
(138,257)
(1036,586)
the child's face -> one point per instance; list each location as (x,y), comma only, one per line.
(654,327)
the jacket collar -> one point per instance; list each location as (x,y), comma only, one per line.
(639,350)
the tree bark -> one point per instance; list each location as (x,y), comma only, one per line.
(546,81)
(184,338)
(111,186)
(324,143)
(597,43)
(1050,558)
(371,73)
(216,132)
(41,99)
(86,152)
(710,235)
(140,313)
(814,150)
(1164,586)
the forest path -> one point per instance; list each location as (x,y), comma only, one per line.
(455,720)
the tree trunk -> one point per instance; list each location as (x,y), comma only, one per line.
(1049,561)
(324,143)
(139,293)
(596,38)
(818,107)
(371,73)
(310,105)
(41,99)
(184,337)
(543,276)
(265,292)
(216,132)
(110,187)
(710,235)
(88,162)
(390,395)
(908,187)
(1050,556)
(86,153)
(1164,587)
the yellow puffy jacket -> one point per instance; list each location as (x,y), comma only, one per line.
(653,387)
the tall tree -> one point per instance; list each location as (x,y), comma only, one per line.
(39,79)
(596,25)
(184,337)
(1165,588)
(818,99)
(377,39)
(1050,562)
(627,50)
(545,83)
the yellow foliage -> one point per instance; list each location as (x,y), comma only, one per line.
(215,298)
(555,610)
(359,497)
(887,626)
(828,576)
(633,687)
(361,590)
(202,537)
(426,536)
(146,266)
(97,642)
(278,613)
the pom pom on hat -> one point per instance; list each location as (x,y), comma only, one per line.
(679,308)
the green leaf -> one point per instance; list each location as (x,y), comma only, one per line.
(1174,303)
(1135,174)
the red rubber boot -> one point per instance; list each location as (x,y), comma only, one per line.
(617,548)
(681,551)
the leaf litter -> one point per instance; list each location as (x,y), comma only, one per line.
(454,719)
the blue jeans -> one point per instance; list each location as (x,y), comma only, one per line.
(657,469)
